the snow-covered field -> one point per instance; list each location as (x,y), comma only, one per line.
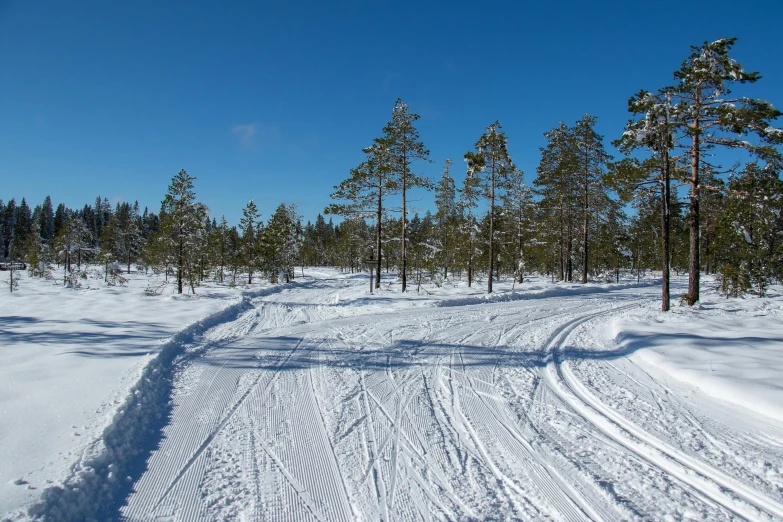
(315,400)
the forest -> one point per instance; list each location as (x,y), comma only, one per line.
(669,202)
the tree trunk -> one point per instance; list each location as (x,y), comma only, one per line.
(491,229)
(378,236)
(470,255)
(569,246)
(521,256)
(584,233)
(695,265)
(665,218)
(562,243)
(404,209)
(180,256)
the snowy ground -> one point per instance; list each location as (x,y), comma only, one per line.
(317,401)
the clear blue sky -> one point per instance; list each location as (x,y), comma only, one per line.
(275,103)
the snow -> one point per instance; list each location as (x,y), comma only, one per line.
(317,400)
(68,358)
(729,349)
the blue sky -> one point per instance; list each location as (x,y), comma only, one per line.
(275,102)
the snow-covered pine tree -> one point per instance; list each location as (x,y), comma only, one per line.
(220,247)
(70,240)
(279,242)
(371,182)
(632,179)
(557,183)
(518,208)
(446,220)
(251,228)
(491,165)
(110,244)
(405,148)
(706,116)
(591,160)
(182,218)
(468,200)
(750,227)
(130,242)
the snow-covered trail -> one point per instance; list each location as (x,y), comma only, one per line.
(302,409)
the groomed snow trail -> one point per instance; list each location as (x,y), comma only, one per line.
(306,408)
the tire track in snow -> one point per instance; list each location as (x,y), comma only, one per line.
(701,477)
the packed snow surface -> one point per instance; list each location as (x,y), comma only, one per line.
(315,400)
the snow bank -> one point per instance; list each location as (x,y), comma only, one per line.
(730,349)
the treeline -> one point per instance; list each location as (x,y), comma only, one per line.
(572,222)
(181,240)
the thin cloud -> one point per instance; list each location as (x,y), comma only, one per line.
(246,133)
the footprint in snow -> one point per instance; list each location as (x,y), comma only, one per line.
(19,482)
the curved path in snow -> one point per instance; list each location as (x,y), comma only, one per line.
(305,408)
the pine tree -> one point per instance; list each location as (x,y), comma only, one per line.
(491,166)
(110,241)
(632,179)
(469,196)
(182,219)
(751,227)
(518,209)
(706,116)
(556,183)
(280,242)
(368,187)
(591,161)
(70,240)
(250,225)
(446,219)
(220,246)
(405,148)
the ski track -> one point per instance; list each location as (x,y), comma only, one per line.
(300,409)
(703,478)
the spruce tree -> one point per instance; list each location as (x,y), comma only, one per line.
(47,223)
